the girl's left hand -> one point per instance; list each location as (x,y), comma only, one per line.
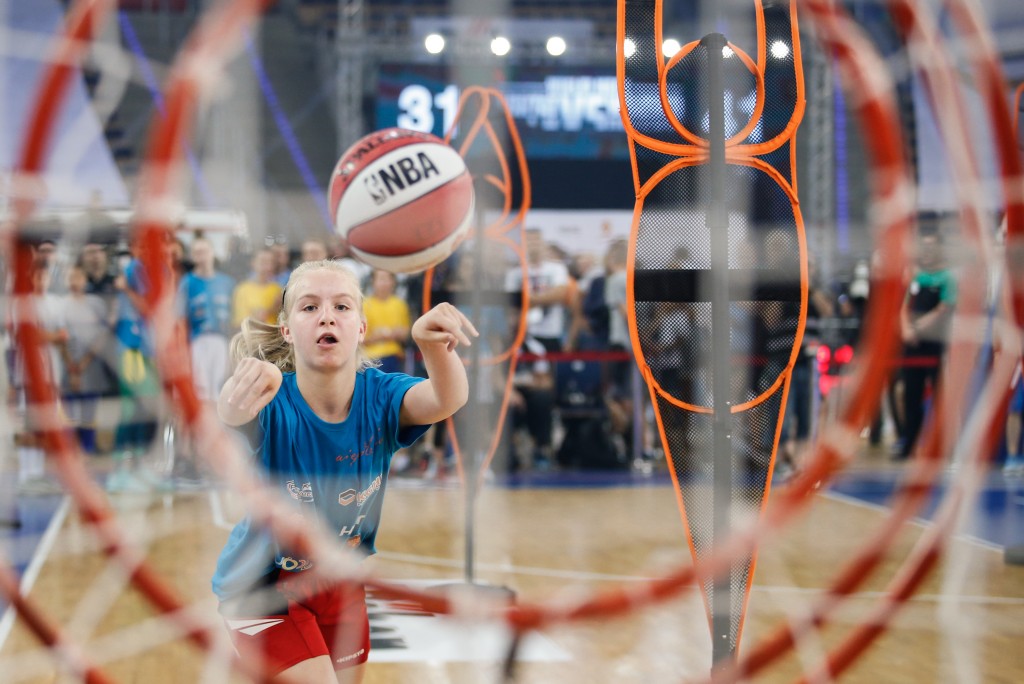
(444,324)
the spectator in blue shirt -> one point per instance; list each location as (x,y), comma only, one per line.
(205,296)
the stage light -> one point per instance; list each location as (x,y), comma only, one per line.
(670,47)
(779,50)
(628,47)
(434,43)
(556,46)
(500,46)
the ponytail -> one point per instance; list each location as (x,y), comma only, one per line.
(265,342)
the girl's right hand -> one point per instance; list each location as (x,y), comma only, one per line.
(251,387)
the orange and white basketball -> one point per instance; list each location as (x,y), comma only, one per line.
(401,199)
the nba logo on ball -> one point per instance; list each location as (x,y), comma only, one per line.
(402,200)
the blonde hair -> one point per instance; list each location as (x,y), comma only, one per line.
(265,342)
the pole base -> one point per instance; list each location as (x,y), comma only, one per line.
(1014,555)
(475,591)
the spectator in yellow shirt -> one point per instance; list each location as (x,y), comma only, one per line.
(387,322)
(259,296)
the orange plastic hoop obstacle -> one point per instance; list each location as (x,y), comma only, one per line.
(483,114)
(717,274)
(485,124)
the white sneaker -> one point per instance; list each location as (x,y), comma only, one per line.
(400,462)
(126,482)
(1014,466)
(39,486)
(432,470)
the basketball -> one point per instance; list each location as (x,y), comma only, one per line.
(402,200)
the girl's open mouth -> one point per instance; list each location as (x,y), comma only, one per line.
(326,340)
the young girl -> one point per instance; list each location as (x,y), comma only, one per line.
(323,424)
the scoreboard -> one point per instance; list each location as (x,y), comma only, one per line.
(571,114)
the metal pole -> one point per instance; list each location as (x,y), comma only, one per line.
(718,226)
(638,413)
(350,62)
(471,449)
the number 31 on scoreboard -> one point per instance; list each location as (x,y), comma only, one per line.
(417,105)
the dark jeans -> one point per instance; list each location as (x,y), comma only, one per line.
(537,415)
(797,421)
(915,382)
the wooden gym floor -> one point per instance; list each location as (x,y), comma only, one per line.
(546,539)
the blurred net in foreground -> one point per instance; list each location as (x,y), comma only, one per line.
(167,618)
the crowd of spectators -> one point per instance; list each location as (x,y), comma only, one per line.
(90,303)
(575,401)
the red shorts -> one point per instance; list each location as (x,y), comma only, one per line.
(294,620)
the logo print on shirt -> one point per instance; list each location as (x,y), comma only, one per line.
(290,564)
(349,495)
(303,493)
(366,449)
(351,534)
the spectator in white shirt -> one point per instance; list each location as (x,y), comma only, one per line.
(548,283)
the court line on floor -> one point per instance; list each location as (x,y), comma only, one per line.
(31,574)
(919,521)
(975,599)
(595,576)
(220,521)
(512,569)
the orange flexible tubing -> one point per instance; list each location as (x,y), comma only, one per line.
(736,153)
(495,232)
(757,72)
(878,112)
(862,63)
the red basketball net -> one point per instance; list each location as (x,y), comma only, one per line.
(213,43)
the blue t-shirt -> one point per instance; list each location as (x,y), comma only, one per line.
(336,471)
(130,328)
(206,303)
